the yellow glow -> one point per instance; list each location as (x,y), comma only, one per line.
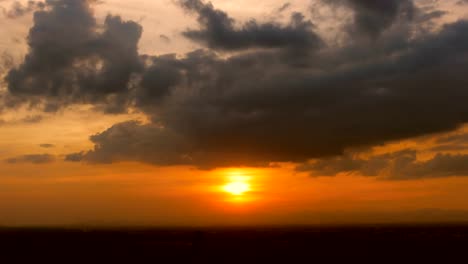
(237,188)
(238,184)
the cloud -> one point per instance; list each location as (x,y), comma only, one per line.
(402,165)
(132,141)
(72,59)
(32,119)
(253,109)
(47,145)
(218,31)
(284,7)
(259,106)
(6,62)
(432,15)
(18,9)
(373,17)
(32,158)
(165,38)
(453,142)
(74,157)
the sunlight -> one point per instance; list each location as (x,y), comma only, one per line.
(238,183)
(237,188)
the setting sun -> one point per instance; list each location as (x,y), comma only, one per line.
(237,188)
(238,183)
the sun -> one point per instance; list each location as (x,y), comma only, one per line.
(238,184)
(237,188)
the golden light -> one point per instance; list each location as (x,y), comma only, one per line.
(238,184)
(237,188)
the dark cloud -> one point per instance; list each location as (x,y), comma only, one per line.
(431,15)
(31,119)
(47,145)
(371,17)
(74,157)
(402,165)
(33,158)
(257,107)
(284,7)
(460,138)
(18,9)
(253,109)
(218,31)
(132,141)
(453,142)
(6,62)
(71,59)
(165,38)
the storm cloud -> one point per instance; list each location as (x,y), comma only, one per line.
(259,106)
(47,145)
(402,165)
(219,31)
(371,17)
(32,158)
(70,61)
(18,9)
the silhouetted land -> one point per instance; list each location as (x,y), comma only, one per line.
(362,244)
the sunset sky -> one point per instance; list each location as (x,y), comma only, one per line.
(233,112)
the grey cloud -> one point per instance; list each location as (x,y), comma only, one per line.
(32,119)
(162,74)
(461,138)
(218,31)
(74,157)
(431,15)
(252,108)
(6,63)
(402,165)
(18,9)
(284,7)
(454,142)
(165,38)
(371,17)
(132,141)
(32,158)
(70,61)
(47,145)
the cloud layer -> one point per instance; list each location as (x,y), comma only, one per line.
(218,31)
(402,165)
(372,17)
(265,103)
(32,158)
(71,61)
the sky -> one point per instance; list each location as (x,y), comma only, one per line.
(197,113)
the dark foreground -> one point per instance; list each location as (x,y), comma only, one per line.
(371,244)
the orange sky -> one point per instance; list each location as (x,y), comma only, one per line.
(132,193)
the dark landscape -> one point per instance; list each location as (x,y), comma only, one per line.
(346,244)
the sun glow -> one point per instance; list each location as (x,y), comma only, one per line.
(238,184)
(237,188)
